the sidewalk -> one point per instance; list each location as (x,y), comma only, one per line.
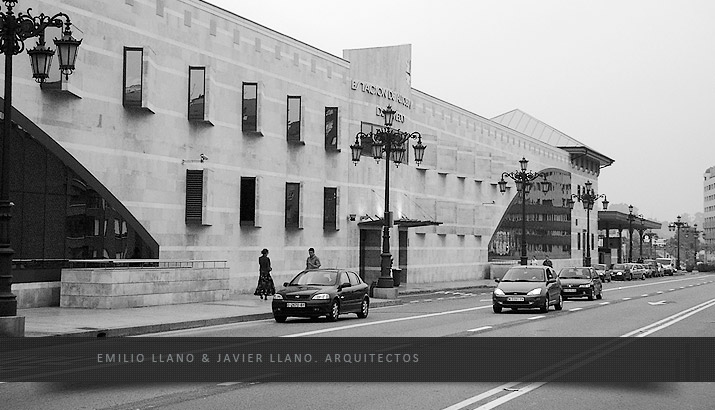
(52,321)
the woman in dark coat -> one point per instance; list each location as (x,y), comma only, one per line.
(265,286)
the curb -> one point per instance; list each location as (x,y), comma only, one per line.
(192,324)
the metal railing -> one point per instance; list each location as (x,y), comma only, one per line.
(118,263)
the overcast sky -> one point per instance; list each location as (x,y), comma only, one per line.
(632,79)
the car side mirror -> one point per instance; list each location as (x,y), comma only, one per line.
(344,285)
(285,284)
(497,280)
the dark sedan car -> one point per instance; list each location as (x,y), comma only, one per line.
(527,287)
(322,292)
(580,282)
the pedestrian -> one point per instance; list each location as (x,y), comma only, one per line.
(312,262)
(533,260)
(547,262)
(265,286)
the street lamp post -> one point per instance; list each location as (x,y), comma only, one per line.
(675,226)
(696,238)
(631,218)
(523,178)
(14,30)
(390,141)
(588,197)
(640,239)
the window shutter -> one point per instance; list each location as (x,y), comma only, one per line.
(194,195)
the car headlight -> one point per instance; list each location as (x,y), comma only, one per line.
(585,285)
(321,296)
(534,292)
(277,296)
(499,292)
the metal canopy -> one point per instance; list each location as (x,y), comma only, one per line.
(368,221)
(619,220)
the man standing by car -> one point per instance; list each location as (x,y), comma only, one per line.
(547,262)
(312,262)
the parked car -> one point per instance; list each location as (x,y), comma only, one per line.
(657,268)
(322,292)
(668,265)
(527,287)
(580,282)
(627,271)
(603,272)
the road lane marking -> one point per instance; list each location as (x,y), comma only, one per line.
(670,320)
(380,322)
(535,317)
(644,295)
(479,329)
(660,292)
(626,299)
(662,302)
(654,327)
(482,396)
(485,300)
(511,396)
(605,303)
(575,309)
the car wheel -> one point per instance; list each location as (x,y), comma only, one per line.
(642,277)
(559,303)
(592,294)
(496,308)
(364,309)
(334,311)
(629,277)
(545,308)
(279,319)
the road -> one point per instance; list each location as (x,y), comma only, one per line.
(657,307)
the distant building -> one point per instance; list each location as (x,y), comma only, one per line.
(709,210)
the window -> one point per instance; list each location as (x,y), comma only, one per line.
(197,93)
(293,129)
(248,201)
(249,123)
(194,196)
(343,278)
(331,128)
(133,69)
(330,208)
(292,205)
(354,278)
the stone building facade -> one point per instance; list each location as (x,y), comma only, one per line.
(212,137)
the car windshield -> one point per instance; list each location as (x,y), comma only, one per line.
(574,273)
(523,275)
(315,278)
(599,266)
(619,266)
(664,261)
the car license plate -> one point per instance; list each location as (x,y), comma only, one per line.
(569,290)
(515,299)
(295,304)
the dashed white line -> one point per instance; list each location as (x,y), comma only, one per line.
(575,309)
(604,303)
(644,295)
(535,317)
(626,299)
(479,329)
